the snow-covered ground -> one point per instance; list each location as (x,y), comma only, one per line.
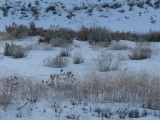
(88,13)
(32,66)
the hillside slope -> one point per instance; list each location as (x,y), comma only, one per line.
(120,15)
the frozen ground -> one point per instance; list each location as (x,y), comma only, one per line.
(32,66)
(138,19)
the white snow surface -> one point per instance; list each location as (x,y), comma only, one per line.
(138,19)
(32,66)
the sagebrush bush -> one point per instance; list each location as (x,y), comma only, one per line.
(152,36)
(59,42)
(14,88)
(99,34)
(141,51)
(107,61)
(78,58)
(120,35)
(65,52)
(56,62)
(32,29)
(94,34)
(15,51)
(118,46)
(17,31)
(64,33)
(83,33)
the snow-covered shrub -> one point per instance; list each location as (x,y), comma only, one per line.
(118,46)
(72,116)
(50,8)
(141,51)
(134,114)
(19,52)
(56,62)
(70,14)
(17,31)
(122,113)
(140,4)
(65,52)
(15,51)
(107,61)
(78,58)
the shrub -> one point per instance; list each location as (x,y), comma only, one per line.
(141,51)
(65,52)
(15,51)
(56,62)
(106,61)
(118,46)
(99,34)
(50,8)
(134,114)
(152,36)
(59,42)
(83,33)
(32,29)
(17,31)
(64,33)
(117,35)
(122,114)
(78,58)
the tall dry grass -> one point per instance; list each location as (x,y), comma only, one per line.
(128,88)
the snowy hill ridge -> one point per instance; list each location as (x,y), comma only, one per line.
(132,15)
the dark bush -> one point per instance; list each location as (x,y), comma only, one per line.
(151,36)
(15,51)
(32,29)
(17,31)
(50,8)
(83,33)
(99,34)
(134,114)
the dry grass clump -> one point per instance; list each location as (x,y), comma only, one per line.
(38,46)
(65,52)
(83,33)
(126,88)
(56,62)
(118,46)
(17,31)
(5,36)
(141,88)
(99,34)
(14,88)
(152,36)
(78,58)
(15,51)
(57,32)
(107,61)
(120,35)
(94,34)
(59,42)
(141,51)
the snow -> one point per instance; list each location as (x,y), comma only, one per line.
(32,66)
(110,18)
